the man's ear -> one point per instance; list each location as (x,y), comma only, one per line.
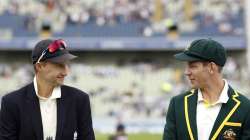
(213,67)
(38,66)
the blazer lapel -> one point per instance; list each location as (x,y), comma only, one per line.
(190,105)
(225,113)
(33,107)
(61,113)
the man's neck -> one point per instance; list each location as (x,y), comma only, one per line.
(44,89)
(211,93)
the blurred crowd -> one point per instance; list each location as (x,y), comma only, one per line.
(124,89)
(224,16)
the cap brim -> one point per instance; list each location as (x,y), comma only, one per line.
(184,57)
(62,58)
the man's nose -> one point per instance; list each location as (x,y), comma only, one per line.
(187,71)
(65,69)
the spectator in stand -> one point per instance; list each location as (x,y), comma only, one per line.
(120,133)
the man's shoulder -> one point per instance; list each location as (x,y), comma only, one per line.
(242,99)
(16,94)
(74,94)
(73,91)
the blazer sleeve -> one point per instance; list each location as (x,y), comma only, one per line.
(84,120)
(8,121)
(170,126)
(246,128)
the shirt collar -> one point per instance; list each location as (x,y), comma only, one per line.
(56,93)
(223,95)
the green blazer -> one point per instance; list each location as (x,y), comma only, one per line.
(233,120)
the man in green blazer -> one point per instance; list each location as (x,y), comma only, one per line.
(212,109)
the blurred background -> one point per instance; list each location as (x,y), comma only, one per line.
(125,50)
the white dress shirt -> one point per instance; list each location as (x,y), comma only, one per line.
(48,109)
(207,113)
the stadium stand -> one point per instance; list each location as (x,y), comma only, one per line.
(122,17)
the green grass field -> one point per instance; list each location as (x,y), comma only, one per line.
(139,136)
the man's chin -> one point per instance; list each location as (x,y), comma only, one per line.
(193,86)
(59,83)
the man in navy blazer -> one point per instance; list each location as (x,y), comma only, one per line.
(46,109)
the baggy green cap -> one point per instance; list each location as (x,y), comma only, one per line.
(204,50)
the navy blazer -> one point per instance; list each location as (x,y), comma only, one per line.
(20,117)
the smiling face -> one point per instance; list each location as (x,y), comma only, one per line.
(53,73)
(197,73)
